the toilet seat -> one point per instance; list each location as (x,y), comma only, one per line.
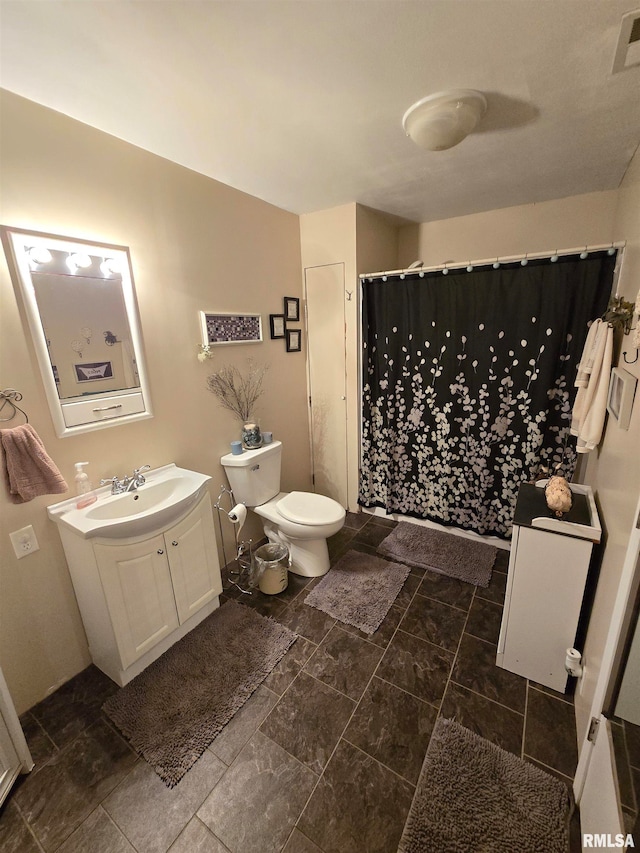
(310,509)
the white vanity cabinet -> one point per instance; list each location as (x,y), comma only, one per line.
(138,596)
(548,569)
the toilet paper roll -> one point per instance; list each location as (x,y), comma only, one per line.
(573,662)
(238,515)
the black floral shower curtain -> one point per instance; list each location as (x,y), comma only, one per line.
(468,384)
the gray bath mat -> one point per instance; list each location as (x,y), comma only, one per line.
(451,555)
(173,710)
(359,590)
(474,796)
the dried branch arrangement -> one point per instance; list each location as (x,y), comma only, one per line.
(236,391)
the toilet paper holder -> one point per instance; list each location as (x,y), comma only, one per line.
(236,515)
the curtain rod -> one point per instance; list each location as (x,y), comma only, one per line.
(503,259)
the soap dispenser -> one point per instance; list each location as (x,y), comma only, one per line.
(84,489)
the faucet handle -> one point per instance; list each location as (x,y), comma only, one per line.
(117,486)
(137,474)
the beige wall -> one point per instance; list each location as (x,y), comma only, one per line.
(562,224)
(614,471)
(195,244)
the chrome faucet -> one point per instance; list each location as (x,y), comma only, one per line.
(128,484)
(132,483)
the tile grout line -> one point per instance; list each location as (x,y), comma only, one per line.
(487,698)
(524,726)
(346,726)
(455,657)
(379,763)
(30,829)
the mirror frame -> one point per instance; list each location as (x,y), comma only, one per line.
(75,415)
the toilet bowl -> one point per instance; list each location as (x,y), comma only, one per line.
(300,520)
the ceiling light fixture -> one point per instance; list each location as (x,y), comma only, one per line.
(441,121)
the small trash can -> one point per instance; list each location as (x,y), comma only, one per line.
(272,563)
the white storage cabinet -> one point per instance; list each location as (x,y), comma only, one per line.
(548,569)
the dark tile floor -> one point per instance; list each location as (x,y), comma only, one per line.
(325,755)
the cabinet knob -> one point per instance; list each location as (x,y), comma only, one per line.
(174,542)
(160,551)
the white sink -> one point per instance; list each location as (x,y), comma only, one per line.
(166,495)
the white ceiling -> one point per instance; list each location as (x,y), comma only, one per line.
(300,102)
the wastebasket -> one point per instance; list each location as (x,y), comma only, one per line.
(272,563)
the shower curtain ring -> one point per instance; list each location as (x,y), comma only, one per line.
(496,264)
(525,260)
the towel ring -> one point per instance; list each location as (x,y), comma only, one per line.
(10,397)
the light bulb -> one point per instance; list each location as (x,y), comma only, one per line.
(78,260)
(109,266)
(40,255)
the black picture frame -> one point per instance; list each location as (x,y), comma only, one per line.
(292,309)
(294,340)
(277,326)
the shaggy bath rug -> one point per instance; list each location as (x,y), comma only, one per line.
(172,711)
(451,555)
(359,590)
(474,796)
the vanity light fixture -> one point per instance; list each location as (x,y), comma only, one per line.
(443,120)
(39,255)
(78,261)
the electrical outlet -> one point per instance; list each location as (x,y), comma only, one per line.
(24,541)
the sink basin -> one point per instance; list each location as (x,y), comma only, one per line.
(168,493)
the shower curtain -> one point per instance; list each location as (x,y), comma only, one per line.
(468,385)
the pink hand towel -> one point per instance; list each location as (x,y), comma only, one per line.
(28,469)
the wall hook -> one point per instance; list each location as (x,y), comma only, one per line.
(349,295)
(624,355)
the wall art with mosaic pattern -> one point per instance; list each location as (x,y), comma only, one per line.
(224,328)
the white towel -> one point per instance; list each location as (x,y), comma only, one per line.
(592,382)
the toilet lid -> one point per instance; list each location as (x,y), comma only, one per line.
(307,508)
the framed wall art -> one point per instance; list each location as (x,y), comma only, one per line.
(294,340)
(277,325)
(622,390)
(227,328)
(292,309)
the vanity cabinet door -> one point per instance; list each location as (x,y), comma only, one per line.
(193,560)
(137,585)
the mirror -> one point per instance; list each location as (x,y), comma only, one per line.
(80,303)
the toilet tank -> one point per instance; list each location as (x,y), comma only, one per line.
(254,475)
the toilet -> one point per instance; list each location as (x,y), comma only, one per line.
(300,520)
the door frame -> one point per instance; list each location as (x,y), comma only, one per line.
(13,734)
(606,683)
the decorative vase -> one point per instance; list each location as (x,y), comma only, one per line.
(251,436)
